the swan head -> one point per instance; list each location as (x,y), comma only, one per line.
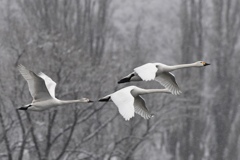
(201,63)
(86,100)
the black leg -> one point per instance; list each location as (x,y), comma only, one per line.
(24,108)
(126,79)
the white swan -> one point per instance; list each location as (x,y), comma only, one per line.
(161,73)
(42,89)
(128,101)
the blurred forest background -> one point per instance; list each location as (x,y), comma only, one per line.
(87,45)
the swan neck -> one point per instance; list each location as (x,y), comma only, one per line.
(147,91)
(68,101)
(180,66)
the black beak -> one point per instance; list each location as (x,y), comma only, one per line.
(206,64)
(90,101)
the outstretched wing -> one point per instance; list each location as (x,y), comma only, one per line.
(124,101)
(51,85)
(140,108)
(36,85)
(147,72)
(167,79)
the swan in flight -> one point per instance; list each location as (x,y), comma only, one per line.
(160,73)
(42,90)
(128,101)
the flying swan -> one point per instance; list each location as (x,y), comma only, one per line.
(128,101)
(161,73)
(42,89)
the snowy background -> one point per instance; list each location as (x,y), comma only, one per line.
(86,46)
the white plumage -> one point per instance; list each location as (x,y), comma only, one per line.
(167,79)
(124,101)
(147,72)
(50,84)
(128,101)
(42,90)
(160,73)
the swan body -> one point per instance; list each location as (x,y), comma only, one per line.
(42,90)
(128,101)
(160,73)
